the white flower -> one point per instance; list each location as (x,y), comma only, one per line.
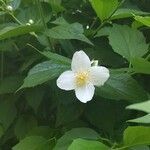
(83,77)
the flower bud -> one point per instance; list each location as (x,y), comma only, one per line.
(9,8)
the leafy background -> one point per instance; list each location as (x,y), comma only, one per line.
(37,41)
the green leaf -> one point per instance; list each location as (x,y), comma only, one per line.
(56,6)
(143,106)
(104,8)
(34,97)
(43,131)
(103,32)
(10,84)
(145,119)
(23,125)
(86,133)
(8,112)
(68,31)
(32,143)
(141,65)
(134,136)
(144,20)
(56,57)
(126,13)
(81,144)
(74,109)
(43,72)
(127,42)
(140,148)
(122,87)
(13,31)
(1,131)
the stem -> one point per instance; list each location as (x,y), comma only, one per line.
(2,66)
(106,20)
(15,18)
(43,21)
(147,57)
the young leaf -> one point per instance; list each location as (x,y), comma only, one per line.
(127,42)
(134,136)
(32,143)
(144,20)
(104,8)
(81,144)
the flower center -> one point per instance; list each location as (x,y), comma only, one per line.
(82,78)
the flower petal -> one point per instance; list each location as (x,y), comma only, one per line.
(85,93)
(80,61)
(66,81)
(99,75)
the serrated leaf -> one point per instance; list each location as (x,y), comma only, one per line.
(104,8)
(43,72)
(122,87)
(81,144)
(68,31)
(127,42)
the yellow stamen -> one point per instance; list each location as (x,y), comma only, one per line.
(82,78)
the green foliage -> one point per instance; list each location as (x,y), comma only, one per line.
(86,133)
(37,41)
(136,136)
(127,42)
(104,8)
(68,31)
(81,144)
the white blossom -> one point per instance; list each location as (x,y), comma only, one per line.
(82,77)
